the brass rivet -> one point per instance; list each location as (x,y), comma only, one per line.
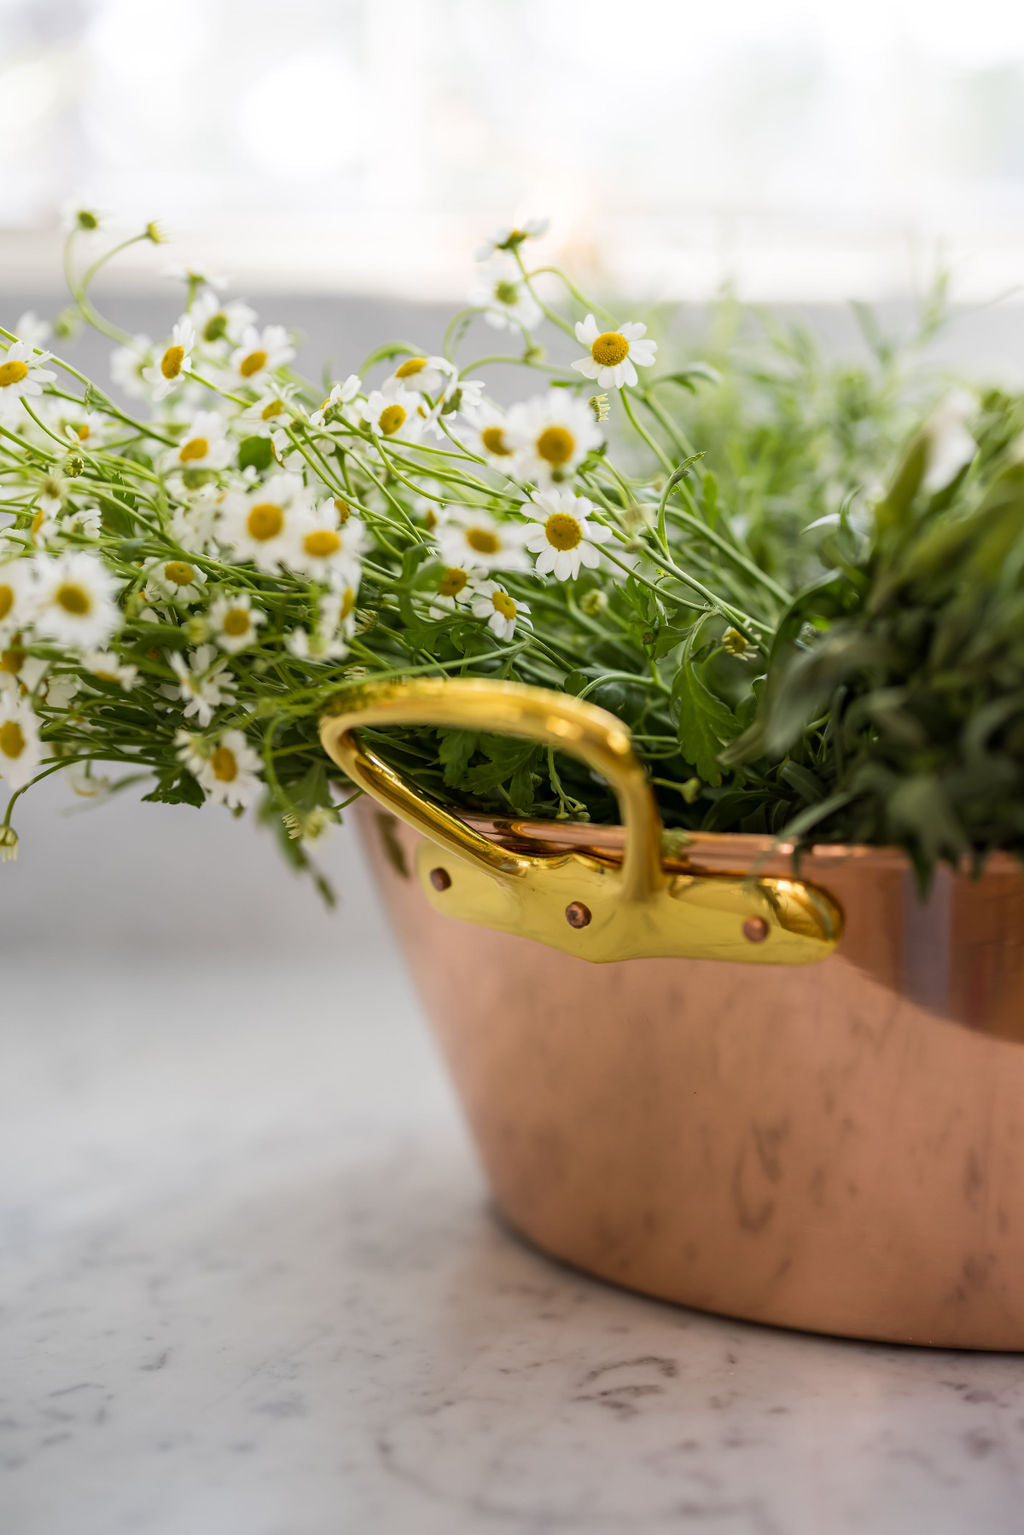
(440,879)
(577,915)
(755,930)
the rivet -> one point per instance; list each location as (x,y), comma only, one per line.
(755,930)
(440,879)
(577,915)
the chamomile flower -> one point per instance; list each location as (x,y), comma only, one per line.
(423,375)
(470,538)
(501,611)
(340,395)
(613,355)
(257,524)
(317,646)
(551,435)
(31,330)
(17,596)
(230,774)
(258,353)
(509,236)
(20,748)
(220,324)
(82,521)
(565,539)
(327,546)
(22,377)
(505,299)
(454,587)
(485,432)
(76,606)
(203,445)
(271,410)
(234,621)
(168,371)
(108,666)
(51,490)
(175,581)
(204,683)
(84,428)
(394,412)
(193,523)
(83,781)
(129,364)
(337,612)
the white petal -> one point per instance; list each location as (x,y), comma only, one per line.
(633,331)
(588,556)
(598,533)
(547,560)
(589,368)
(643,352)
(628,372)
(587,331)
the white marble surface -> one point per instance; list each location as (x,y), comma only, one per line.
(250,1285)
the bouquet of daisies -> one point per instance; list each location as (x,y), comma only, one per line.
(195,557)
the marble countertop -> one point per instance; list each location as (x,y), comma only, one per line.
(251,1285)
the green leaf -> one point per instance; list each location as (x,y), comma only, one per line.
(455,754)
(705,723)
(255,453)
(176,788)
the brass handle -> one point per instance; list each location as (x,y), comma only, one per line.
(572,901)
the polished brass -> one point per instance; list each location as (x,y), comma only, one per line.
(635,907)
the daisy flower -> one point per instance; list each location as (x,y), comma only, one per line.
(85,521)
(316,647)
(501,611)
(220,323)
(230,775)
(17,596)
(83,428)
(259,352)
(395,412)
(551,435)
(509,236)
(128,365)
(164,375)
(193,524)
(504,297)
(82,781)
(423,375)
(270,411)
(174,581)
(30,329)
(20,749)
(234,621)
(257,524)
(340,395)
(76,601)
(564,539)
(328,546)
(613,353)
(454,585)
(204,683)
(22,377)
(203,445)
(108,666)
(471,539)
(486,432)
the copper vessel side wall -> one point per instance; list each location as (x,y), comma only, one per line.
(837,1147)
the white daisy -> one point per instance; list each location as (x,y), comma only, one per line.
(203,445)
(85,521)
(230,774)
(551,435)
(423,375)
(85,428)
(504,297)
(164,374)
(485,432)
(328,545)
(193,523)
(337,612)
(234,621)
(258,353)
(204,683)
(22,377)
(30,329)
(257,524)
(17,596)
(317,647)
(220,324)
(454,586)
(565,539)
(108,666)
(395,412)
(84,782)
(20,748)
(509,236)
(76,605)
(501,611)
(473,539)
(129,363)
(340,395)
(613,353)
(174,581)
(268,412)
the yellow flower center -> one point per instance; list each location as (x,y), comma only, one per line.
(12,373)
(411,367)
(6,599)
(348,602)
(171,361)
(224,764)
(610,349)
(321,544)
(178,573)
(236,622)
(196,447)
(12,739)
(252,364)
(37,525)
(265,521)
(556,445)
(452,581)
(493,439)
(343,510)
(562,531)
(271,409)
(482,540)
(83,433)
(73,599)
(11,661)
(503,604)
(390,419)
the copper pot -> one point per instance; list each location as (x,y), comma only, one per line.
(803,1103)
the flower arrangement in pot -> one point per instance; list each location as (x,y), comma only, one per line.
(698,690)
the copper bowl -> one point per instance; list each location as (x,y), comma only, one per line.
(836,1146)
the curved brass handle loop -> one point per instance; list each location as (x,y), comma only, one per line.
(571,901)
